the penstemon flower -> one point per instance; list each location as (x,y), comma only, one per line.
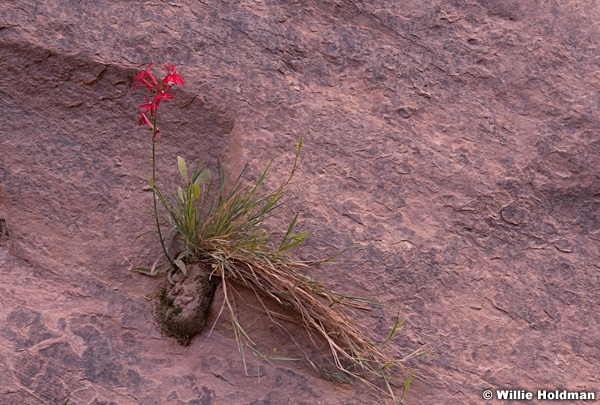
(172,76)
(148,116)
(145,120)
(141,78)
(159,90)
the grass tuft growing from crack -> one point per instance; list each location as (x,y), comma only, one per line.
(223,226)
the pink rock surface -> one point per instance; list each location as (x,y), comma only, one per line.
(457,142)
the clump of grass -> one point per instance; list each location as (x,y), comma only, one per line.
(222,233)
(223,226)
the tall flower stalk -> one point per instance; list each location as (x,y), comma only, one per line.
(149,117)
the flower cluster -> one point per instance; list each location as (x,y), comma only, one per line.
(160,92)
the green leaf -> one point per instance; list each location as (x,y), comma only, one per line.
(182,168)
(339,377)
(170,276)
(281,358)
(296,240)
(299,147)
(388,364)
(407,382)
(397,324)
(201,177)
(180,194)
(179,263)
(194,192)
(153,269)
(143,270)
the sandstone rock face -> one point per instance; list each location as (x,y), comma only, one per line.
(457,142)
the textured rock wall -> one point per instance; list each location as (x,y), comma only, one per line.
(458,142)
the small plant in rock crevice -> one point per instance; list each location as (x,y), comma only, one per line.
(218,226)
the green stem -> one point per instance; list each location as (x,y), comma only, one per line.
(162,242)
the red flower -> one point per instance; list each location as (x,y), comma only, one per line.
(161,95)
(172,76)
(145,120)
(160,92)
(150,106)
(141,78)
